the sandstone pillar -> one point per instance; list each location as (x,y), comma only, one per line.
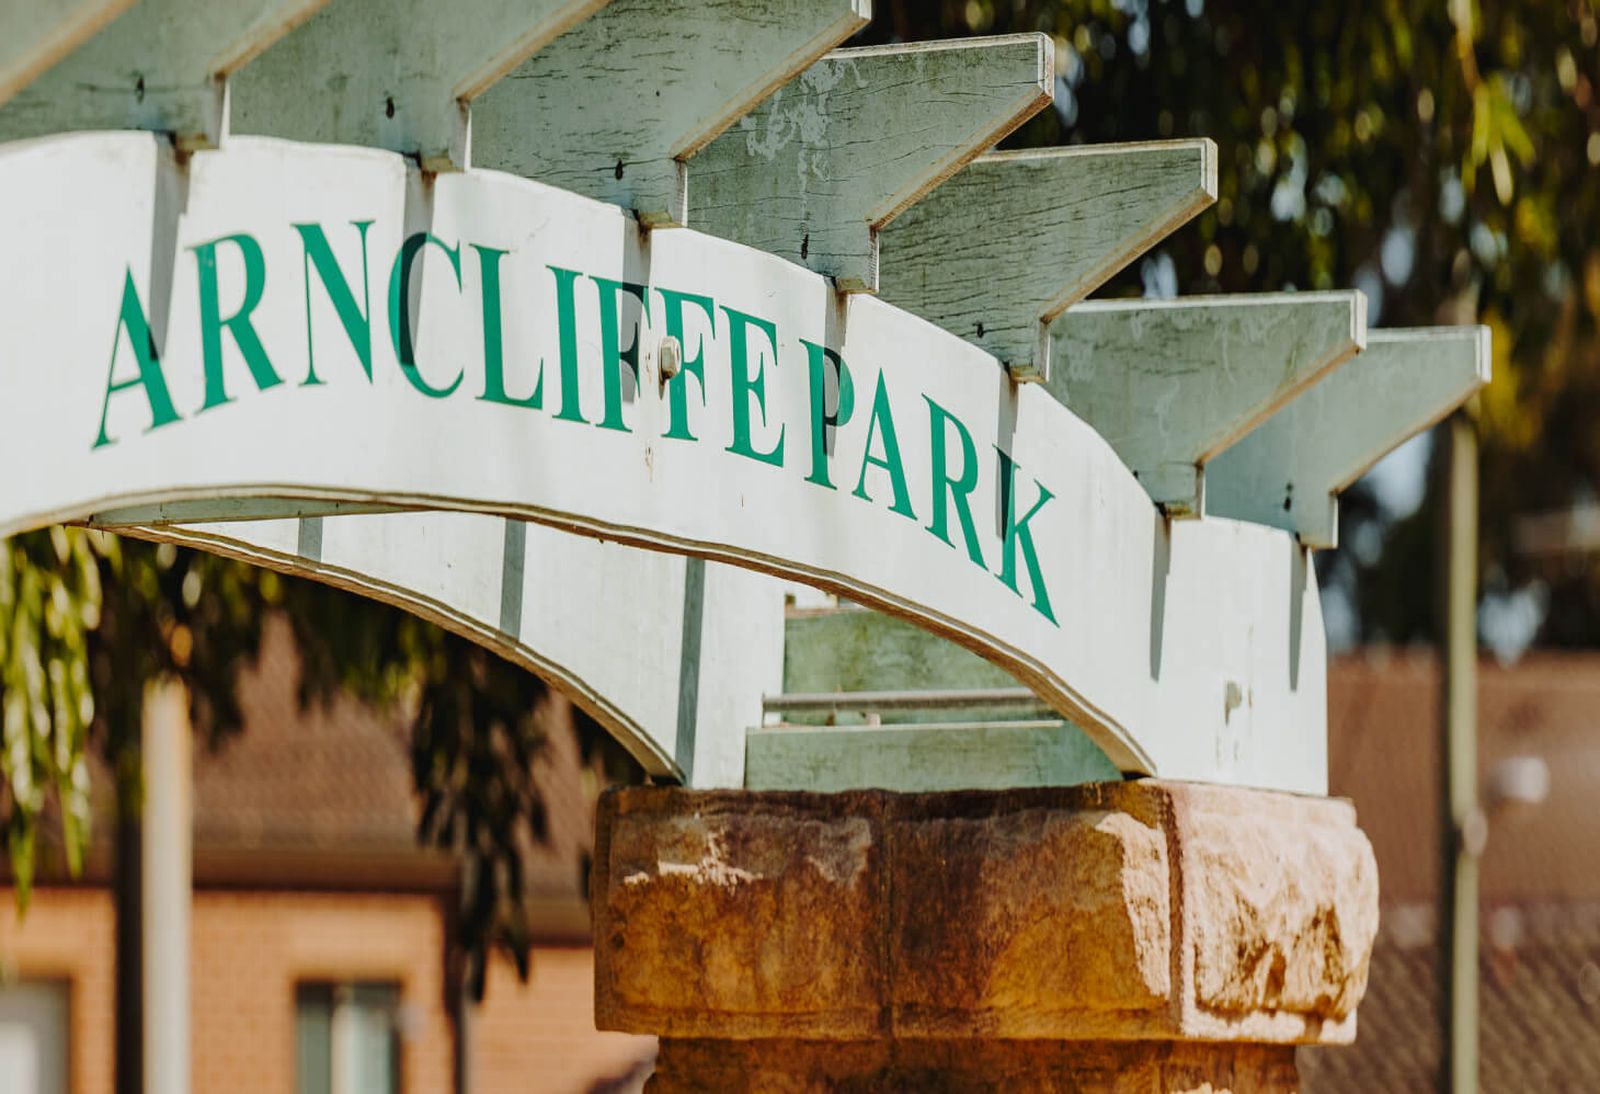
(1143,936)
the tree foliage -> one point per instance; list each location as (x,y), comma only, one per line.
(49,605)
(1442,157)
(88,620)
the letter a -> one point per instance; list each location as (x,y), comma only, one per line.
(132,319)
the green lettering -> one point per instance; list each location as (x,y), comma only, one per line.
(238,324)
(567,328)
(130,317)
(881,425)
(1017,532)
(356,319)
(947,490)
(746,385)
(672,303)
(494,364)
(400,310)
(612,356)
(824,422)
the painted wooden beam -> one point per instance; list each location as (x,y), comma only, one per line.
(38,33)
(670,655)
(397,74)
(923,758)
(816,170)
(857,650)
(1171,383)
(1288,471)
(160,66)
(1015,238)
(1187,649)
(614,107)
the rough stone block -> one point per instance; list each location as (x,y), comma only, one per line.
(1143,911)
(729,914)
(1024,922)
(1280,910)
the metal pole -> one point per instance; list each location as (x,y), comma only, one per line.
(168,823)
(129,1030)
(932,699)
(1464,827)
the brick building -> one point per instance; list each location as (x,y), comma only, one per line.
(319,929)
(1539,1025)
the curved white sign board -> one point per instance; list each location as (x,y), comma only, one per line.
(671,655)
(330,325)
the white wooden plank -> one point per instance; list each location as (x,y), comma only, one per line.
(1012,240)
(396,74)
(232,509)
(160,66)
(923,758)
(38,33)
(613,108)
(1170,383)
(673,668)
(1289,470)
(1153,625)
(835,154)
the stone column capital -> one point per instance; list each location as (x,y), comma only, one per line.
(1135,911)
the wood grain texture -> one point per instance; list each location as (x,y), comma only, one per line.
(35,34)
(1288,471)
(1156,626)
(396,74)
(1014,238)
(829,158)
(1171,383)
(614,107)
(856,650)
(160,66)
(923,758)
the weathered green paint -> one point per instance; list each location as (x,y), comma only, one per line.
(1288,471)
(396,74)
(613,107)
(38,33)
(923,758)
(936,747)
(814,171)
(1171,383)
(1015,238)
(854,650)
(160,66)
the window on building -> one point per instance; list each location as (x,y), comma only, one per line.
(33,1036)
(346,1038)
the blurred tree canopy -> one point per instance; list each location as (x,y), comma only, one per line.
(88,621)
(1444,157)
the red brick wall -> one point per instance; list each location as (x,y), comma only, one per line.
(68,934)
(540,1036)
(251,948)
